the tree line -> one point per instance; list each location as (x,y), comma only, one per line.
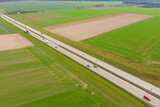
(146,4)
(89,0)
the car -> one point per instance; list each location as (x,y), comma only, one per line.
(95,66)
(146,97)
(56,47)
(27,31)
(46,41)
(88,65)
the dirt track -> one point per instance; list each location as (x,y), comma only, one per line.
(80,30)
(13,41)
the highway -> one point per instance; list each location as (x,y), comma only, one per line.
(74,55)
(132,79)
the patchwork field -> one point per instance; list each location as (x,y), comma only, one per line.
(95,2)
(28,76)
(101,8)
(38,6)
(122,52)
(80,30)
(138,42)
(50,18)
(5,29)
(13,41)
(114,95)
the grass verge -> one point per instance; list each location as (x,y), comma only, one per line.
(112,93)
(145,71)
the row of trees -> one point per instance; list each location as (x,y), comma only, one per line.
(125,1)
(56,0)
(146,4)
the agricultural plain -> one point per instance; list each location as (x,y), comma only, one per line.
(50,18)
(139,42)
(13,41)
(109,94)
(39,6)
(144,66)
(95,2)
(29,76)
(5,29)
(81,30)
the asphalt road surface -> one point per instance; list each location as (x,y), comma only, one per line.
(73,54)
(132,79)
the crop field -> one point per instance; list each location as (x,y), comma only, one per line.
(5,29)
(64,69)
(13,41)
(50,18)
(95,2)
(39,6)
(141,65)
(139,42)
(80,30)
(29,77)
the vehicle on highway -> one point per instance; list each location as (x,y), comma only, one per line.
(95,66)
(56,47)
(146,97)
(46,41)
(88,65)
(27,31)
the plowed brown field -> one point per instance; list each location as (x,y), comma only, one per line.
(13,41)
(80,30)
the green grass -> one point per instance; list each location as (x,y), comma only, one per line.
(137,63)
(5,29)
(30,77)
(38,6)
(146,71)
(96,2)
(64,16)
(112,93)
(138,42)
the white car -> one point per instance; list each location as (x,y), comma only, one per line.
(46,41)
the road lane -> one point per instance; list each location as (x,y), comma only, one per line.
(112,78)
(132,79)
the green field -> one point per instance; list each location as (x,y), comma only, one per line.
(28,76)
(134,62)
(138,42)
(38,6)
(96,2)
(5,29)
(59,17)
(112,93)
